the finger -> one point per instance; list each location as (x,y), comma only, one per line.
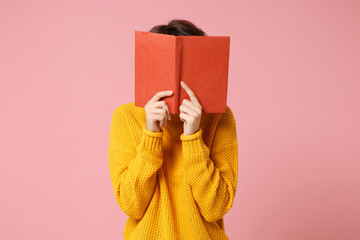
(163,105)
(192,106)
(158,117)
(166,107)
(160,95)
(191,94)
(184,117)
(157,104)
(188,110)
(162,112)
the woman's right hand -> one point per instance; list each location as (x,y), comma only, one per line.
(157,112)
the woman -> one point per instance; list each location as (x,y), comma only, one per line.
(174,175)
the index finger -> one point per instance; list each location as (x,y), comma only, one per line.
(160,95)
(191,94)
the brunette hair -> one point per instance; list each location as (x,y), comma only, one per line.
(178,27)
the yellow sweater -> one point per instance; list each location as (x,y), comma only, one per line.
(169,185)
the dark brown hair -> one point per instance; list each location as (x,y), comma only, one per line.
(178,27)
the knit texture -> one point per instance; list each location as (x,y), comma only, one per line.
(173,186)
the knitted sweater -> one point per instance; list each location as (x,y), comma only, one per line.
(169,185)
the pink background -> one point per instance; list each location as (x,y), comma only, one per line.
(293,87)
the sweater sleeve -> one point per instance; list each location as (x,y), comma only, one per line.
(213,174)
(133,168)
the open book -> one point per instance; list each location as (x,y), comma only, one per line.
(202,62)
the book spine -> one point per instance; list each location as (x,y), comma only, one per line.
(177,73)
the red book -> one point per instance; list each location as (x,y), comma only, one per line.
(202,62)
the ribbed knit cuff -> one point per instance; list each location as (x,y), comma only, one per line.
(151,142)
(192,143)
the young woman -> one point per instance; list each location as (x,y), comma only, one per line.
(173,175)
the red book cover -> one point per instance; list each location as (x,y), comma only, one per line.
(202,62)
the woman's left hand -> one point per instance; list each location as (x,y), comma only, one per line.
(190,112)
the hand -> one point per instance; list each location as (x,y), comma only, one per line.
(190,112)
(157,111)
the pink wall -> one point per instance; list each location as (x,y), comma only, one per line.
(293,86)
